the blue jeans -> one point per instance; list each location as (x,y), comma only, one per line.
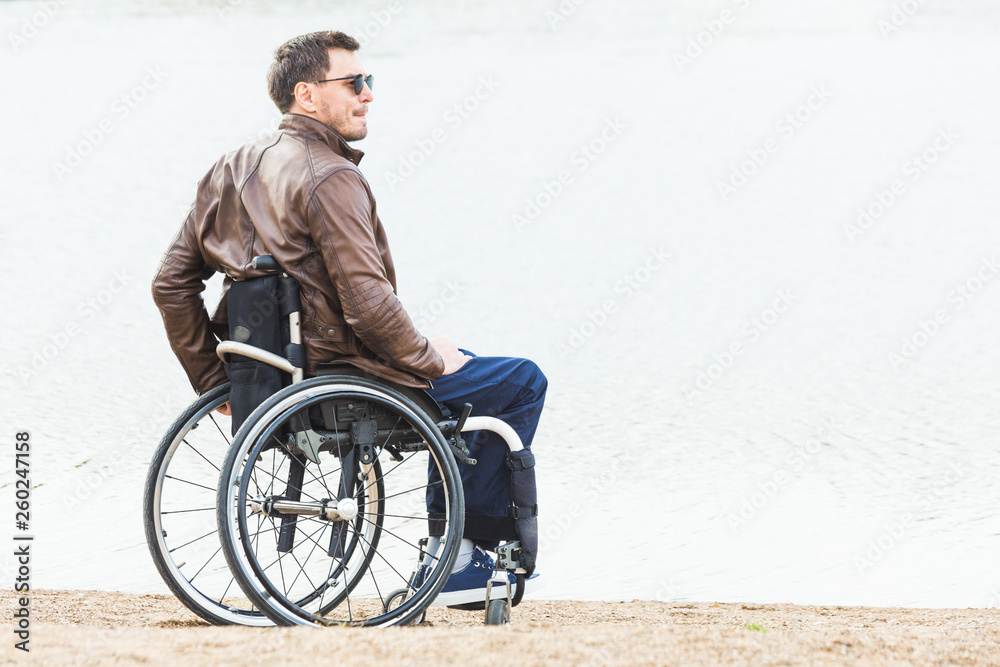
(509,389)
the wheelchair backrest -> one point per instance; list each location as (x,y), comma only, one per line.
(258,310)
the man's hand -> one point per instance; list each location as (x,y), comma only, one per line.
(453,357)
(224,409)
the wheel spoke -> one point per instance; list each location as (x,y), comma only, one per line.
(391,566)
(194,540)
(392,468)
(329,576)
(199,453)
(368,566)
(200,509)
(224,436)
(287,552)
(311,497)
(191,580)
(302,570)
(416,488)
(315,545)
(200,486)
(399,516)
(386,530)
(329,493)
(225,592)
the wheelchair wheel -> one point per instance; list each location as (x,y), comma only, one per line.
(179,517)
(497,613)
(329,542)
(398,597)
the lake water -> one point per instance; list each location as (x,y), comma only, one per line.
(752,244)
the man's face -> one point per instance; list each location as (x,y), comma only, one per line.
(337,105)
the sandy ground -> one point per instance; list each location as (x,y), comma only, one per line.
(99,628)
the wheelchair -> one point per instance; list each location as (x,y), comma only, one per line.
(315,511)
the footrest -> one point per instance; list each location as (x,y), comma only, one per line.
(508,555)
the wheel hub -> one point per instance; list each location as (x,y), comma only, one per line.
(345,509)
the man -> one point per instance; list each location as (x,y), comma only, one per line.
(300,197)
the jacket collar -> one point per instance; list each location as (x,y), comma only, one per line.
(298,123)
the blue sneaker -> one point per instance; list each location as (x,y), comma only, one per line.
(468,585)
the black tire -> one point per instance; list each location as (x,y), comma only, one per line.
(519,583)
(496,614)
(179,494)
(293,580)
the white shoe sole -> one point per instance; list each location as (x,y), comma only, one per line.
(498,592)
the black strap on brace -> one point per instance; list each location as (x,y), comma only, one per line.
(527,461)
(523,508)
(515,512)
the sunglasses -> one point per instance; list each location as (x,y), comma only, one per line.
(360,82)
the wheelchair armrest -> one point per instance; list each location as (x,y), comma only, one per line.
(232,347)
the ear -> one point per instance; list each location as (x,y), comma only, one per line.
(304,98)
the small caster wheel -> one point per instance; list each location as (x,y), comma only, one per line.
(395,598)
(498,613)
(398,597)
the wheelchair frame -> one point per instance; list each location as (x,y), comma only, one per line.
(344,509)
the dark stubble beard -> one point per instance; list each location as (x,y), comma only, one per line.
(343,128)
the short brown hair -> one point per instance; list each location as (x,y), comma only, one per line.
(303,58)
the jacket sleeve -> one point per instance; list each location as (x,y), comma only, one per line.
(177,289)
(342,226)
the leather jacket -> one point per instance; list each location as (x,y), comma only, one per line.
(298,196)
